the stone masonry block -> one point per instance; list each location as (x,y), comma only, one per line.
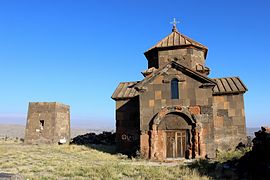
(151,103)
(195,110)
(222,112)
(158,95)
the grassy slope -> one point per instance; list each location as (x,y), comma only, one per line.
(80,162)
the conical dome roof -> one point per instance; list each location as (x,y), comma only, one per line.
(176,39)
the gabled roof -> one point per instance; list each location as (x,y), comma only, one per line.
(176,39)
(222,86)
(125,90)
(229,85)
(177,66)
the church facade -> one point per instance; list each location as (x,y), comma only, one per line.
(177,111)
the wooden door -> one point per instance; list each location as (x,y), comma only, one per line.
(176,143)
(181,143)
(170,141)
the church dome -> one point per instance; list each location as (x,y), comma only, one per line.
(177,40)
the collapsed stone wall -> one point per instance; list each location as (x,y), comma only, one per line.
(105,138)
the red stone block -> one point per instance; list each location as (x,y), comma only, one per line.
(195,110)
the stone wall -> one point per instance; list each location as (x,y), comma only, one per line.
(158,95)
(229,121)
(197,100)
(127,125)
(188,57)
(47,123)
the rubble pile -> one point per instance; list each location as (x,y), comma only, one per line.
(261,143)
(105,138)
(256,163)
(242,146)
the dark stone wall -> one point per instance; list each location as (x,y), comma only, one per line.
(229,121)
(56,123)
(219,120)
(188,57)
(158,95)
(127,125)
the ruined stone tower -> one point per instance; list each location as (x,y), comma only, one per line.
(47,123)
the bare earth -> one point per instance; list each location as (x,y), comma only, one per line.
(14,130)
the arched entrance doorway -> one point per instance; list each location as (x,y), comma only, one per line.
(177,135)
(173,134)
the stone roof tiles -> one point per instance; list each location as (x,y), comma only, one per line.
(229,85)
(125,90)
(177,39)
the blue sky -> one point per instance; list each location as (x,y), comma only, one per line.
(76,52)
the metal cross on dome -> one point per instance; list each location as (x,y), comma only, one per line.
(174,22)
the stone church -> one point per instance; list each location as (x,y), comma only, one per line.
(177,111)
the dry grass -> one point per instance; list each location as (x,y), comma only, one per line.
(224,156)
(80,162)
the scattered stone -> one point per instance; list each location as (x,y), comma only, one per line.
(8,176)
(241,146)
(105,138)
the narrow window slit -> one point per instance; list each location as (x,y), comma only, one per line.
(174,89)
(41,124)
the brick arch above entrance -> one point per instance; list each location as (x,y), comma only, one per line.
(174,121)
(177,110)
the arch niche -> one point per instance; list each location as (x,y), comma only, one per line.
(177,135)
(176,127)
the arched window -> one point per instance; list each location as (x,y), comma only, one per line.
(174,89)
